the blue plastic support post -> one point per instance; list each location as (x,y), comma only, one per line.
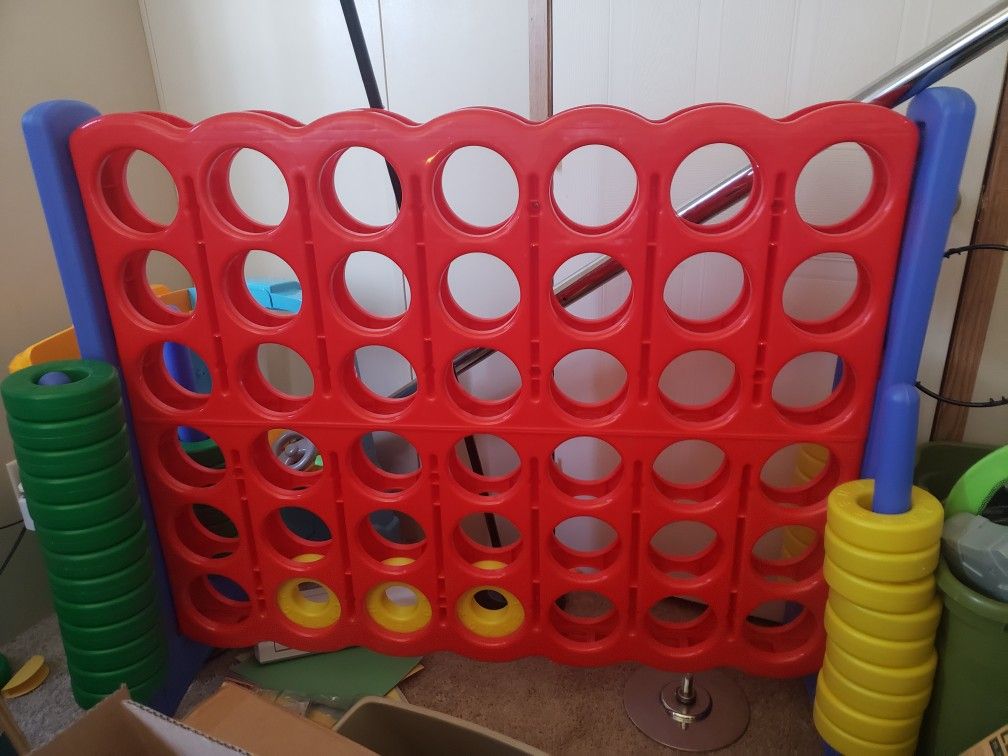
(944,116)
(47,129)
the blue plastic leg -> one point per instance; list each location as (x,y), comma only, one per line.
(47,128)
(945,117)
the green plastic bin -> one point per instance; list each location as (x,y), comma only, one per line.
(970,696)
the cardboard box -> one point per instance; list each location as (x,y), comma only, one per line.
(231,721)
(995,744)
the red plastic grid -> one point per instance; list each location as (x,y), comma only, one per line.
(210,236)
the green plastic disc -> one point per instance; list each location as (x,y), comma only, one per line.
(112,659)
(142,691)
(88,540)
(94,387)
(81,487)
(72,462)
(113,634)
(103,588)
(100,563)
(101,613)
(85,514)
(67,434)
(138,671)
(980,485)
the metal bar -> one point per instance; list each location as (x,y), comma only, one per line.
(948,54)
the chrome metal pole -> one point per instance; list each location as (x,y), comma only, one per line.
(948,54)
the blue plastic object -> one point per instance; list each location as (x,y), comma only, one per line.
(55,378)
(47,129)
(945,118)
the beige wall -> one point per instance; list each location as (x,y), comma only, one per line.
(93,51)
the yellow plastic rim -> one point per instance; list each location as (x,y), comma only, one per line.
(302,610)
(871,728)
(490,623)
(897,627)
(899,598)
(889,653)
(850,517)
(393,615)
(881,704)
(843,742)
(897,681)
(878,565)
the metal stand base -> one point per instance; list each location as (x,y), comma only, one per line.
(695,712)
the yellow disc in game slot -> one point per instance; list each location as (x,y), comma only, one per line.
(306,601)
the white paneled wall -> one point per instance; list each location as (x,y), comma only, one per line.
(652,56)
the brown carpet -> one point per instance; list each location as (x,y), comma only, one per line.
(570,710)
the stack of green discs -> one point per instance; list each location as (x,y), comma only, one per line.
(67,422)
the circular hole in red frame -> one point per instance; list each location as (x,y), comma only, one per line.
(385,462)
(372,392)
(585,467)
(813,388)
(249,190)
(685,548)
(488,388)
(589,383)
(357,191)
(296,531)
(480,291)
(594,172)
(207,531)
(287,459)
(791,480)
(703,168)
(474,537)
(476,189)
(787,553)
(836,190)
(277,378)
(691,470)
(699,386)
(584,617)
(584,544)
(680,621)
(166,368)
(390,534)
(707,292)
(195,464)
(371,289)
(137,283)
(485,464)
(257,266)
(138,190)
(220,599)
(826,292)
(602,309)
(779,626)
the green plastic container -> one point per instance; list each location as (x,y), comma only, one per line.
(970,695)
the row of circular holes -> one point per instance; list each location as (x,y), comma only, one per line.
(481,291)
(580,544)
(588,384)
(478,189)
(584,468)
(584,617)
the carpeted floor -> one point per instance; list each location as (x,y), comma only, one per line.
(562,710)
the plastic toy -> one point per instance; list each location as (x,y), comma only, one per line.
(448,575)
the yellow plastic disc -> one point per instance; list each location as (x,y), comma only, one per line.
(844,742)
(897,627)
(850,517)
(386,606)
(489,564)
(898,598)
(897,681)
(889,653)
(313,607)
(869,727)
(490,623)
(872,702)
(32,674)
(809,462)
(879,565)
